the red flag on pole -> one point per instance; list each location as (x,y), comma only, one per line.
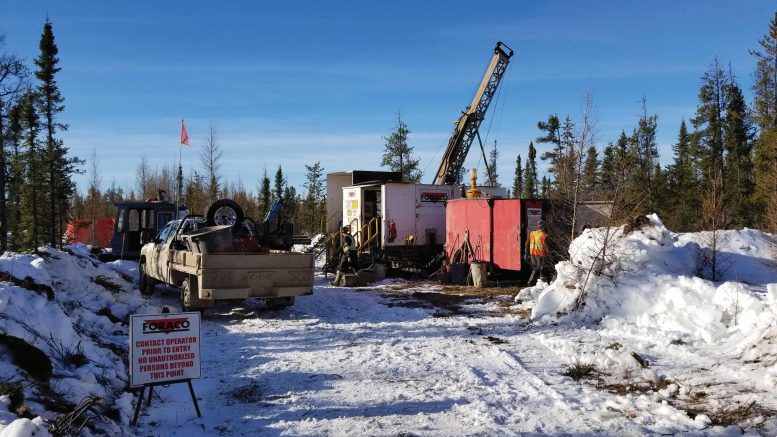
(184,135)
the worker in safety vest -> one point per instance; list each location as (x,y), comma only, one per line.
(536,250)
(347,257)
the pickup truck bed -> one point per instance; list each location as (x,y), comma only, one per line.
(241,275)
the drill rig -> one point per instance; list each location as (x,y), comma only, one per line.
(399,224)
(467,125)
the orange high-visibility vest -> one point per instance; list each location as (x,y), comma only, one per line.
(537,243)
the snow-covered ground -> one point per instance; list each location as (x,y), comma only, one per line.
(402,358)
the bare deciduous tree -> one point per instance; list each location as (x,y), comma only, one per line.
(94,196)
(210,159)
(710,262)
(143,179)
(604,259)
(586,139)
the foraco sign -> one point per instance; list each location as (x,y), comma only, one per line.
(164,348)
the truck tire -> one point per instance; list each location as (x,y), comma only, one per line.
(224,212)
(186,295)
(145,284)
(279,303)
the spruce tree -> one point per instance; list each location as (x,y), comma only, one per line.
(291,204)
(530,183)
(765,105)
(265,196)
(398,154)
(645,152)
(709,118)
(552,137)
(629,179)
(313,208)
(765,75)
(591,169)
(34,173)
(545,187)
(608,175)
(60,168)
(566,171)
(279,183)
(661,192)
(16,173)
(709,122)
(738,170)
(518,180)
(683,183)
(493,176)
(197,193)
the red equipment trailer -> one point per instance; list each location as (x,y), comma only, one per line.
(496,229)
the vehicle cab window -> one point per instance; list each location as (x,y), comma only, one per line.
(167,233)
(191,225)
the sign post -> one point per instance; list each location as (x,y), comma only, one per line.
(164,349)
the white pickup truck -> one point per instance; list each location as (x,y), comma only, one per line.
(206,275)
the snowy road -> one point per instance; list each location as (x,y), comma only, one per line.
(368,363)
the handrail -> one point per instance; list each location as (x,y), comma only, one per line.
(368,233)
(337,243)
(371,236)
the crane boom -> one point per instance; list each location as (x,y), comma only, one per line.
(467,125)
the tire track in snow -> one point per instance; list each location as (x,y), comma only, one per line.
(522,385)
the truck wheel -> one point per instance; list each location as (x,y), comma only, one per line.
(279,303)
(187,298)
(224,212)
(186,295)
(144,282)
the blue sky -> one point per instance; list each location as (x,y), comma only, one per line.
(294,82)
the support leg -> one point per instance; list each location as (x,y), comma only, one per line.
(194,398)
(137,407)
(150,395)
(532,277)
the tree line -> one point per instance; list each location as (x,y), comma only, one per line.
(202,186)
(724,168)
(723,172)
(36,169)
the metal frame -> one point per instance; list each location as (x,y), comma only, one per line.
(151,386)
(468,124)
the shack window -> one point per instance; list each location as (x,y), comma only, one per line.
(163,218)
(120,222)
(134,220)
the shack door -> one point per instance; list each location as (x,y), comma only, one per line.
(508,241)
(352,208)
(430,213)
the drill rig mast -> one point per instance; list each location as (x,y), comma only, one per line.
(467,125)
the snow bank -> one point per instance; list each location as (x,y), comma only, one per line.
(647,278)
(82,330)
(25,428)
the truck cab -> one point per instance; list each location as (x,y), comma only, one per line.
(158,252)
(137,222)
